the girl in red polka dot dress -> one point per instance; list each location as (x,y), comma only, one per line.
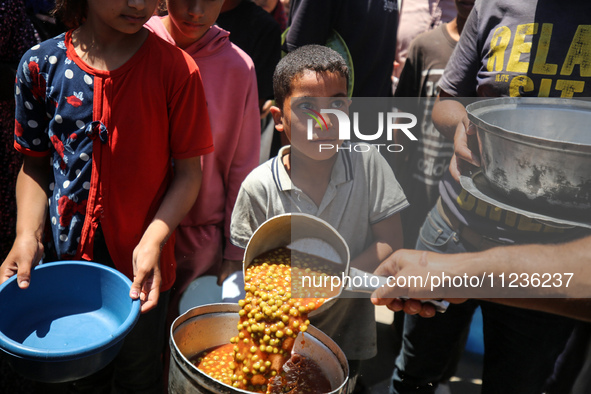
(101,112)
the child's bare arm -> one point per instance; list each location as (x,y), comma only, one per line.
(450,118)
(32,183)
(388,236)
(447,114)
(179,199)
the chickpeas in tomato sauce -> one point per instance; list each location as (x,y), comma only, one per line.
(270,320)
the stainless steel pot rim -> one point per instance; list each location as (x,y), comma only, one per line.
(183,361)
(475,183)
(314,335)
(477,109)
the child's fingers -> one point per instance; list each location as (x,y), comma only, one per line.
(461,147)
(150,293)
(471,130)
(455,168)
(21,269)
(150,301)
(141,289)
(136,288)
(146,288)
(23,277)
(24,255)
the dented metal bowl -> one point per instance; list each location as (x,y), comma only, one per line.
(536,151)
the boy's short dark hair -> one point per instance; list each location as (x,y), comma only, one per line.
(71,13)
(316,58)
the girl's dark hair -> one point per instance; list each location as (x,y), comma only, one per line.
(316,58)
(71,13)
(161,9)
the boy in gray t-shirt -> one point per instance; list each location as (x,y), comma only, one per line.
(351,186)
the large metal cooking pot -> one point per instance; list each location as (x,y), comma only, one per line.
(536,151)
(207,326)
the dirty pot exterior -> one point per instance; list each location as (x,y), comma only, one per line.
(536,151)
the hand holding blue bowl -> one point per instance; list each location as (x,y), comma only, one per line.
(69,323)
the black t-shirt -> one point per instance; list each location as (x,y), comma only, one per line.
(367,27)
(517,48)
(523,48)
(427,158)
(258,34)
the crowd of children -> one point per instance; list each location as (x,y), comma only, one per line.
(140,134)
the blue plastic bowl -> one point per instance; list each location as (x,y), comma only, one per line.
(69,323)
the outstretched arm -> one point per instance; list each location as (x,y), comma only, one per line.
(450,118)
(31,198)
(574,257)
(177,202)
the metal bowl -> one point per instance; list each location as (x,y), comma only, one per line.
(69,323)
(536,151)
(305,233)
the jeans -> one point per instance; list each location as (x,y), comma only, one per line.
(521,346)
